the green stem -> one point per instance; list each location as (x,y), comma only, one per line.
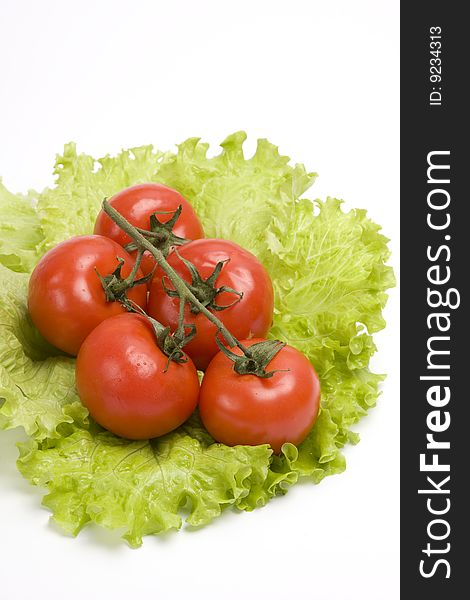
(138,259)
(179,284)
(181,315)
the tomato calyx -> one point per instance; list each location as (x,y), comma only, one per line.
(161,235)
(205,290)
(254,359)
(172,344)
(115,286)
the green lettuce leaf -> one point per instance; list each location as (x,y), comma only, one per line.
(235,198)
(20,234)
(141,487)
(330,279)
(71,206)
(37,389)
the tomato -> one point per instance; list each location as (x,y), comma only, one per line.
(66,299)
(137,204)
(250,317)
(123,380)
(246,409)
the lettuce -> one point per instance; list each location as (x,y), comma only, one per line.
(330,278)
(71,206)
(37,383)
(20,234)
(141,486)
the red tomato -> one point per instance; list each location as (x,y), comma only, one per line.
(250,317)
(246,409)
(137,203)
(66,299)
(123,380)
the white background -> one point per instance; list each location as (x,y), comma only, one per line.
(318,78)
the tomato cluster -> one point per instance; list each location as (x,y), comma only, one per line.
(110,301)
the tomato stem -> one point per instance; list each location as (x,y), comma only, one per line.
(181,325)
(179,284)
(170,344)
(138,259)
